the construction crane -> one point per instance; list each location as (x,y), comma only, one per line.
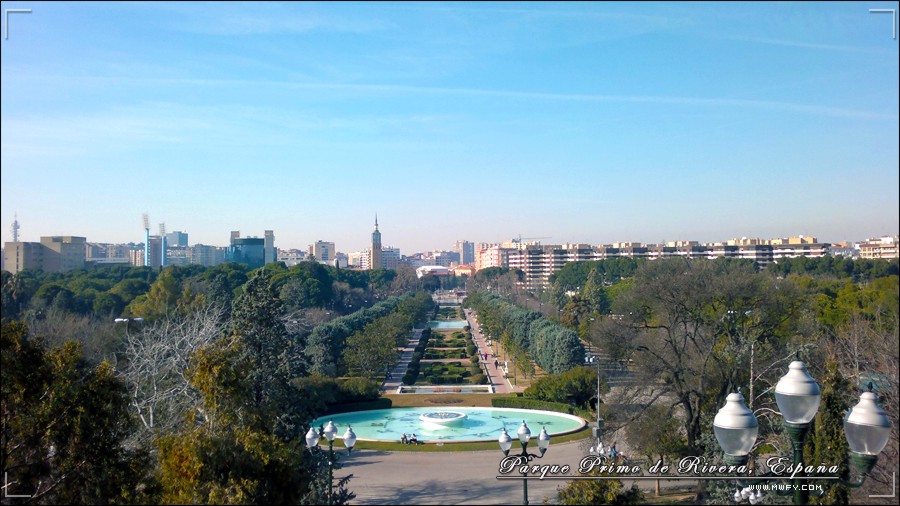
(520,239)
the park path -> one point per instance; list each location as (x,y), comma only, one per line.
(391,384)
(494,372)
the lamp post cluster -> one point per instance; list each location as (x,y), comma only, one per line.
(866,427)
(524,434)
(329,432)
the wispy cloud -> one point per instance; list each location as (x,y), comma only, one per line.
(261,18)
(688,101)
(809,45)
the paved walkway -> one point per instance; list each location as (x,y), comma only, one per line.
(383,477)
(494,372)
(390,385)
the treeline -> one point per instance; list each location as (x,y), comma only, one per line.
(108,292)
(554,348)
(861,270)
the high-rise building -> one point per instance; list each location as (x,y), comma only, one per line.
(270,253)
(466,251)
(177,239)
(390,257)
(375,252)
(322,251)
(253,251)
(202,254)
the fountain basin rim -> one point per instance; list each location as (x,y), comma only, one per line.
(582,423)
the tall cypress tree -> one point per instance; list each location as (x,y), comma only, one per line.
(826,444)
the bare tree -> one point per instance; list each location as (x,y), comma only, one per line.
(867,351)
(158,358)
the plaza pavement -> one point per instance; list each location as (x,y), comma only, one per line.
(383,477)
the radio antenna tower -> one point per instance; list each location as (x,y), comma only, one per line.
(146,240)
(15,228)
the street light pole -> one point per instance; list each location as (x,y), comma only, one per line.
(595,359)
(329,432)
(523,458)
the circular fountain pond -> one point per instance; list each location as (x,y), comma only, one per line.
(459,424)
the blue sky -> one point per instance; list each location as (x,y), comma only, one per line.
(579,122)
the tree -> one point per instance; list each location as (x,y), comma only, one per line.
(64,423)
(598,492)
(274,357)
(826,442)
(158,359)
(372,350)
(576,386)
(656,435)
(691,327)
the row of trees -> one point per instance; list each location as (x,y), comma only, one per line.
(554,348)
(372,350)
(326,344)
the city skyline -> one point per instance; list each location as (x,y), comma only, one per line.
(587,123)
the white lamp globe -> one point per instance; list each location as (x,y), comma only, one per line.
(867,426)
(524,433)
(797,394)
(330,431)
(349,439)
(312,438)
(505,442)
(735,426)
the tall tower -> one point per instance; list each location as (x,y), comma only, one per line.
(15,228)
(375,254)
(146,240)
(162,235)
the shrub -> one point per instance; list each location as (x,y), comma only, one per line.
(471,349)
(358,390)
(478,379)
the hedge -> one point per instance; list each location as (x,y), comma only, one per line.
(522,403)
(380,403)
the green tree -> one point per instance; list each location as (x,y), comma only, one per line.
(826,442)
(64,423)
(274,357)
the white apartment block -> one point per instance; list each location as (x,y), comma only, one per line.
(884,247)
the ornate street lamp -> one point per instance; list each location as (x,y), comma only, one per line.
(866,427)
(524,434)
(329,432)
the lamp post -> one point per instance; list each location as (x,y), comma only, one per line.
(866,427)
(594,359)
(329,432)
(523,458)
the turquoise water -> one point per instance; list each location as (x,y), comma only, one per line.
(481,424)
(449,324)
